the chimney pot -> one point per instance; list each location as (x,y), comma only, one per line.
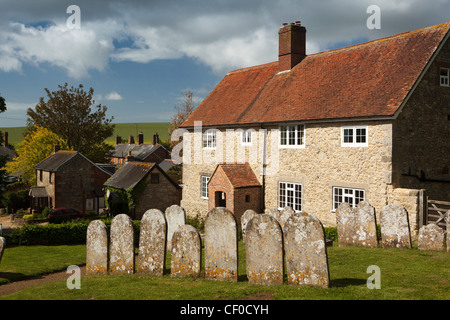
(140,138)
(5,139)
(156,138)
(57,147)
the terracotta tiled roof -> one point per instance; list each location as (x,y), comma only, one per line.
(240,175)
(361,81)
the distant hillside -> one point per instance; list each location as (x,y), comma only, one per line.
(15,134)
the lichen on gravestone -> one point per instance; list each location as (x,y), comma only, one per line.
(97,248)
(264,251)
(221,254)
(152,243)
(121,260)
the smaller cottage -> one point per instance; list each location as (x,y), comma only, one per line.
(137,187)
(235,187)
(138,152)
(68,179)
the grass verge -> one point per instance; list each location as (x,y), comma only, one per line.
(405,275)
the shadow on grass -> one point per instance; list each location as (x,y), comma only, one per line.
(346,282)
(8,277)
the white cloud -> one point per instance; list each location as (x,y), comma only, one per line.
(221,35)
(113,95)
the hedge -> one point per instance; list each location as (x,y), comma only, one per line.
(75,233)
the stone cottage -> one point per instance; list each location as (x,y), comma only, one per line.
(138,186)
(68,179)
(365,122)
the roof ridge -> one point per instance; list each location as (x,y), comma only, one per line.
(265,65)
(379,40)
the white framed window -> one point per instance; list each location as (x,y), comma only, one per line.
(445,77)
(210,139)
(355,136)
(349,195)
(246,137)
(290,194)
(204,187)
(292,136)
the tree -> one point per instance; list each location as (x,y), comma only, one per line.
(183,112)
(68,113)
(2,104)
(37,145)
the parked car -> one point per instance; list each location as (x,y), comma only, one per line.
(64,214)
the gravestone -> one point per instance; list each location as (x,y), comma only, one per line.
(431,237)
(186,252)
(447,220)
(152,243)
(305,250)
(264,251)
(221,254)
(97,248)
(395,231)
(175,217)
(356,226)
(121,260)
(246,217)
(2,247)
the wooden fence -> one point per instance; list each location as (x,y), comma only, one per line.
(436,211)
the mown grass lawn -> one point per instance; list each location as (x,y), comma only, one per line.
(405,275)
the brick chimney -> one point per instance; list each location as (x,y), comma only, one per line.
(131,139)
(118,140)
(156,138)
(141,138)
(57,147)
(5,139)
(292,45)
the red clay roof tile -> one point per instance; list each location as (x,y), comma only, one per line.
(365,80)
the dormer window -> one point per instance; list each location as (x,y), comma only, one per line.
(445,77)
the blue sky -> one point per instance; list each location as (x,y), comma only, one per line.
(140,56)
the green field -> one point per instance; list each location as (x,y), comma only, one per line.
(15,134)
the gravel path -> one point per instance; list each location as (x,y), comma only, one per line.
(23,284)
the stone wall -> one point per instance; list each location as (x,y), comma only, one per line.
(413,201)
(319,166)
(421,135)
(156,195)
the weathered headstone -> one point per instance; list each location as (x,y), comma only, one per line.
(431,237)
(246,217)
(305,250)
(395,231)
(285,215)
(264,250)
(2,247)
(356,226)
(221,254)
(121,260)
(175,217)
(186,252)
(152,243)
(447,220)
(97,248)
